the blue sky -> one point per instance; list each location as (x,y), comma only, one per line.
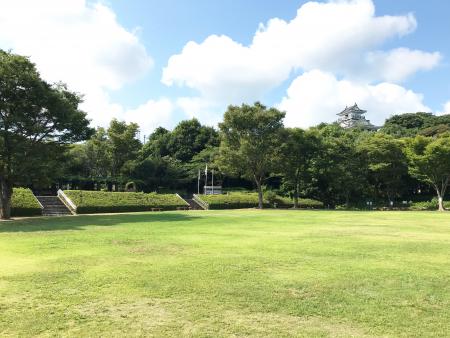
(130,61)
(166,26)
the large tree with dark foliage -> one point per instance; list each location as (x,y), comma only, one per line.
(386,163)
(37,120)
(189,138)
(297,153)
(250,142)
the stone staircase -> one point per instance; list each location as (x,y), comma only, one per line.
(53,206)
(193,205)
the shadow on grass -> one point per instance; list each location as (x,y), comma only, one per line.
(82,221)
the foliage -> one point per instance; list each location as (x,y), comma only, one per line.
(387,165)
(232,200)
(37,120)
(250,138)
(189,138)
(338,172)
(242,200)
(24,203)
(101,201)
(428,205)
(430,162)
(297,153)
(303,203)
(412,124)
(123,143)
(270,196)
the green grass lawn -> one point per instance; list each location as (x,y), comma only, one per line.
(227,273)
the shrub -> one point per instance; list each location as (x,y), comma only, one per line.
(271,197)
(242,200)
(232,200)
(24,203)
(428,205)
(99,201)
(304,203)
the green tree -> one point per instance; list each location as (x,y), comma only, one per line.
(298,150)
(157,144)
(387,164)
(123,144)
(429,162)
(339,175)
(249,142)
(189,138)
(37,120)
(98,155)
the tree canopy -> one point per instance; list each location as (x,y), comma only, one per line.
(37,120)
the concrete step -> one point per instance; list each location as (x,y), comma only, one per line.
(53,206)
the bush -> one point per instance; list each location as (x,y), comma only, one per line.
(428,205)
(304,203)
(24,203)
(271,197)
(88,202)
(242,200)
(232,200)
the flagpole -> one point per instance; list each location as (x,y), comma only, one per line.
(212,181)
(198,183)
(206,178)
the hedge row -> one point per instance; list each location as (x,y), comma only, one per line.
(242,200)
(90,202)
(304,203)
(24,203)
(428,205)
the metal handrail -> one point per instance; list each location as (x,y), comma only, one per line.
(199,201)
(181,198)
(67,201)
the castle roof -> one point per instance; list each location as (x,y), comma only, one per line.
(353,110)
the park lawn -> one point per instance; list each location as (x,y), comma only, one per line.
(227,273)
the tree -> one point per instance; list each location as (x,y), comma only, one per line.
(189,138)
(338,172)
(97,153)
(297,153)
(123,144)
(158,144)
(429,160)
(387,164)
(37,120)
(249,142)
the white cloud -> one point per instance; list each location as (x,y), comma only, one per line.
(318,96)
(341,37)
(398,64)
(76,42)
(445,110)
(152,114)
(207,111)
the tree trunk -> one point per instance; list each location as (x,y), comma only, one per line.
(440,190)
(260,193)
(296,197)
(5,198)
(440,201)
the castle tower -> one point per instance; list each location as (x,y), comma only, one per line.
(353,117)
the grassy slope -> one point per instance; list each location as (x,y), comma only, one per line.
(218,273)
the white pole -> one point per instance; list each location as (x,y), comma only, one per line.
(198,183)
(212,181)
(206,178)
